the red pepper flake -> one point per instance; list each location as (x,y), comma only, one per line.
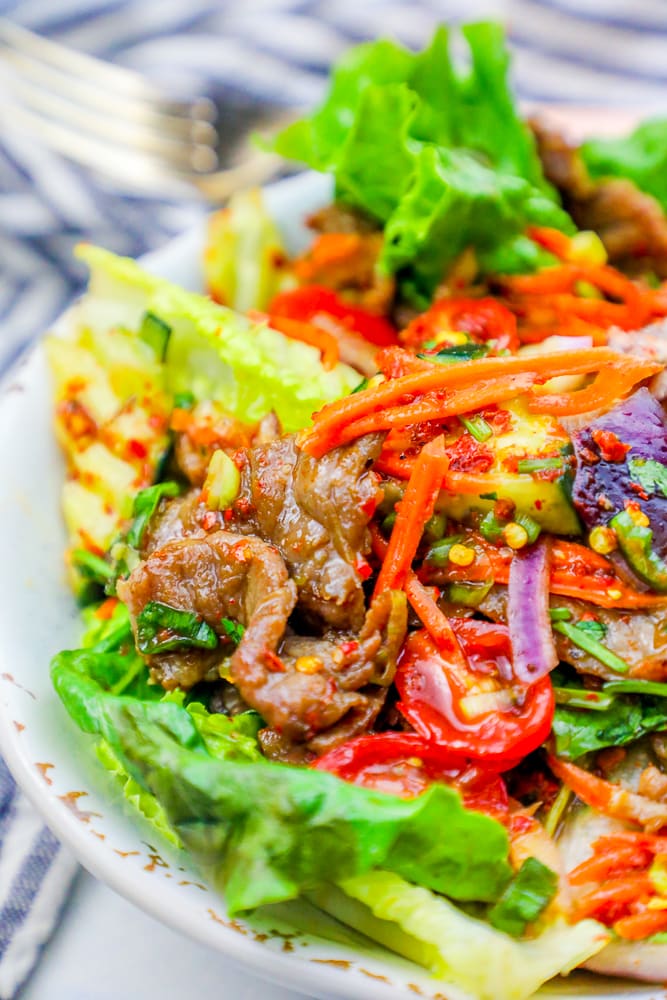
(209,520)
(468,455)
(611,447)
(363,568)
(228,515)
(273,662)
(137,449)
(639,490)
(351,646)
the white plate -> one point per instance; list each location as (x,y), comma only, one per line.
(53,762)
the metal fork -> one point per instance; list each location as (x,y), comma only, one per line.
(116,122)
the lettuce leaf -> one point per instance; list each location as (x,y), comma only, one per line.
(640,157)
(267,831)
(213,352)
(578,730)
(458,948)
(243,253)
(459,167)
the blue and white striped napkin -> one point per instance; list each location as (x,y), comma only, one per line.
(584,51)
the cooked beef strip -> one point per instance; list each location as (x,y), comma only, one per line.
(174,519)
(638,637)
(316,512)
(631,224)
(301,686)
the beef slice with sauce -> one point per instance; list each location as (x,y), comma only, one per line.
(604,480)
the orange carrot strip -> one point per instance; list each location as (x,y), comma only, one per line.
(329,248)
(181,420)
(332,417)
(412,512)
(434,620)
(308,333)
(627,889)
(106,608)
(552,240)
(610,799)
(610,384)
(641,925)
(433,406)
(601,867)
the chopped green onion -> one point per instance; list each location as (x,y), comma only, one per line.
(233,630)
(478,427)
(470,595)
(161,628)
(438,554)
(560,614)
(593,627)
(531,527)
(388,523)
(581,698)
(592,647)
(488,496)
(525,898)
(184,400)
(222,483)
(537,464)
(435,527)
(360,388)
(557,810)
(144,506)
(490,527)
(456,353)
(155,332)
(90,566)
(654,688)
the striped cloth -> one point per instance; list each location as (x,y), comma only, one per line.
(583,51)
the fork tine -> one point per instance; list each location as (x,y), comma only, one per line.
(96,73)
(185,145)
(134,169)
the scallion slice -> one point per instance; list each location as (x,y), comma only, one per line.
(537,464)
(478,427)
(156,333)
(591,646)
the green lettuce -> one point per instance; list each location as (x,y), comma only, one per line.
(640,157)
(212,352)
(458,166)
(243,254)
(458,948)
(579,730)
(267,831)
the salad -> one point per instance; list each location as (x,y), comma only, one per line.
(371,540)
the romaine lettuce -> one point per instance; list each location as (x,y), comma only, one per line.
(266,831)
(458,948)
(213,352)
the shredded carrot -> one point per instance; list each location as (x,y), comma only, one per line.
(328,249)
(601,867)
(438,406)
(552,240)
(641,925)
(308,333)
(181,420)
(412,513)
(613,892)
(610,384)
(394,362)
(433,619)
(333,417)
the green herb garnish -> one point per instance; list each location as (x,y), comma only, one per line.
(161,628)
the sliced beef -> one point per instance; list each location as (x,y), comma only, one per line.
(174,519)
(631,224)
(299,686)
(208,429)
(217,576)
(316,512)
(638,637)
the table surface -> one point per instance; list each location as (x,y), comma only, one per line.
(106,948)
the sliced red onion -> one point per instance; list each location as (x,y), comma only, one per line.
(533,650)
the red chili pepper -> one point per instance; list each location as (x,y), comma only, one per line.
(404,764)
(310,301)
(431,688)
(484,319)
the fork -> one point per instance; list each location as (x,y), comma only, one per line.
(116,122)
